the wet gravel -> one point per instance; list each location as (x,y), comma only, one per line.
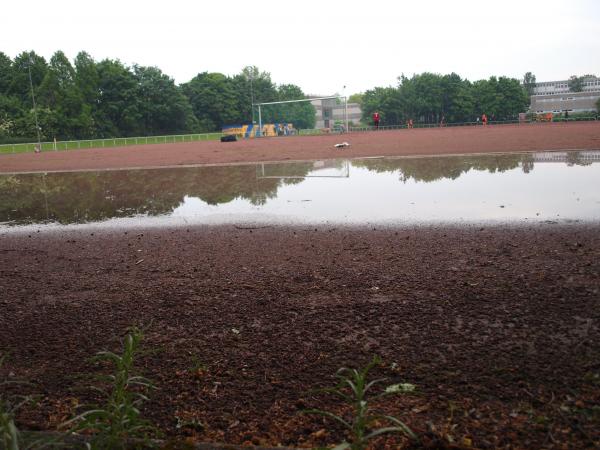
(499,327)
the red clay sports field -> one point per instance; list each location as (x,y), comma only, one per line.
(433,141)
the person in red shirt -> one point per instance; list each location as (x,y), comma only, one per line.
(376,119)
(484,119)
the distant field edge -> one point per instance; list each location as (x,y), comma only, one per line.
(29,147)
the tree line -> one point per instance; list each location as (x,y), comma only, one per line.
(87,99)
(432,98)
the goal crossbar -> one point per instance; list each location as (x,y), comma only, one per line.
(302,100)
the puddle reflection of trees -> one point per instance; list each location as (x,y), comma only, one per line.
(433,169)
(93,196)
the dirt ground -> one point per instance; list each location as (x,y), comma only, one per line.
(452,140)
(499,328)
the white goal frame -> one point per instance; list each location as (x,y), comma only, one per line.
(340,97)
(261,173)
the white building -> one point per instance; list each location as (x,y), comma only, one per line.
(330,111)
(556,97)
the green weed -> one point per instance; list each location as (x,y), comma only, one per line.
(355,389)
(118,423)
(9,433)
(10,437)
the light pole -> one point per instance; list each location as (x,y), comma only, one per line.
(37,126)
(252,96)
(346,123)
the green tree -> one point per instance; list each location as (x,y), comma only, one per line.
(386,101)
(457,99)
(163,106)
(252,86)
(213,99)
(87,78)
(356,98)
(576,83)
(512,99)
(6,73)
(118,108)
(88,84)
(302,114)
(19,84)
(529,83)
(10,109)
(62,98)
(429,90)
(486,98)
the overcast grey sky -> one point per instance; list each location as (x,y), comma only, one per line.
(320,46)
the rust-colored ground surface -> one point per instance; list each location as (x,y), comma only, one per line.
(499,328)
(453,140)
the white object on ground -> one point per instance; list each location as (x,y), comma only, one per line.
(343,144)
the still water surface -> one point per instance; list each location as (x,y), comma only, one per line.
(556,187)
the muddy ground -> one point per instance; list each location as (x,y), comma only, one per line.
(435,141)
(499,328)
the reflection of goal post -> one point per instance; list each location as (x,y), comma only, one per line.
(337,98)
(333,168)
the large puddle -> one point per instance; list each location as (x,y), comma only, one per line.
(538,187)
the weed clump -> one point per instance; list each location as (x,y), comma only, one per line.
(10,438)
(355,390)
(118,424)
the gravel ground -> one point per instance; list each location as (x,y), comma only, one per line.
(498,327)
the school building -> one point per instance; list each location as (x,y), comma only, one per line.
(330,111)
(556,97)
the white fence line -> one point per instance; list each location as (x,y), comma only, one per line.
(110,142)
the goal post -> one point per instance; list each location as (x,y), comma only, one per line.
(341,102)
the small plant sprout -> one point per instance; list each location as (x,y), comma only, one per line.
(355,389)
(9,433)
(117,423)
(10,438)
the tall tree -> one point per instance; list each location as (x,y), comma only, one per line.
(302,114)
(118,112)
(457,99)
(529,83)
(20,85)
(213,99)
(6,73)
(576,83)
(252,86)
(163,106)
(385,100)
(356,98)
(60,99)
(512,99)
